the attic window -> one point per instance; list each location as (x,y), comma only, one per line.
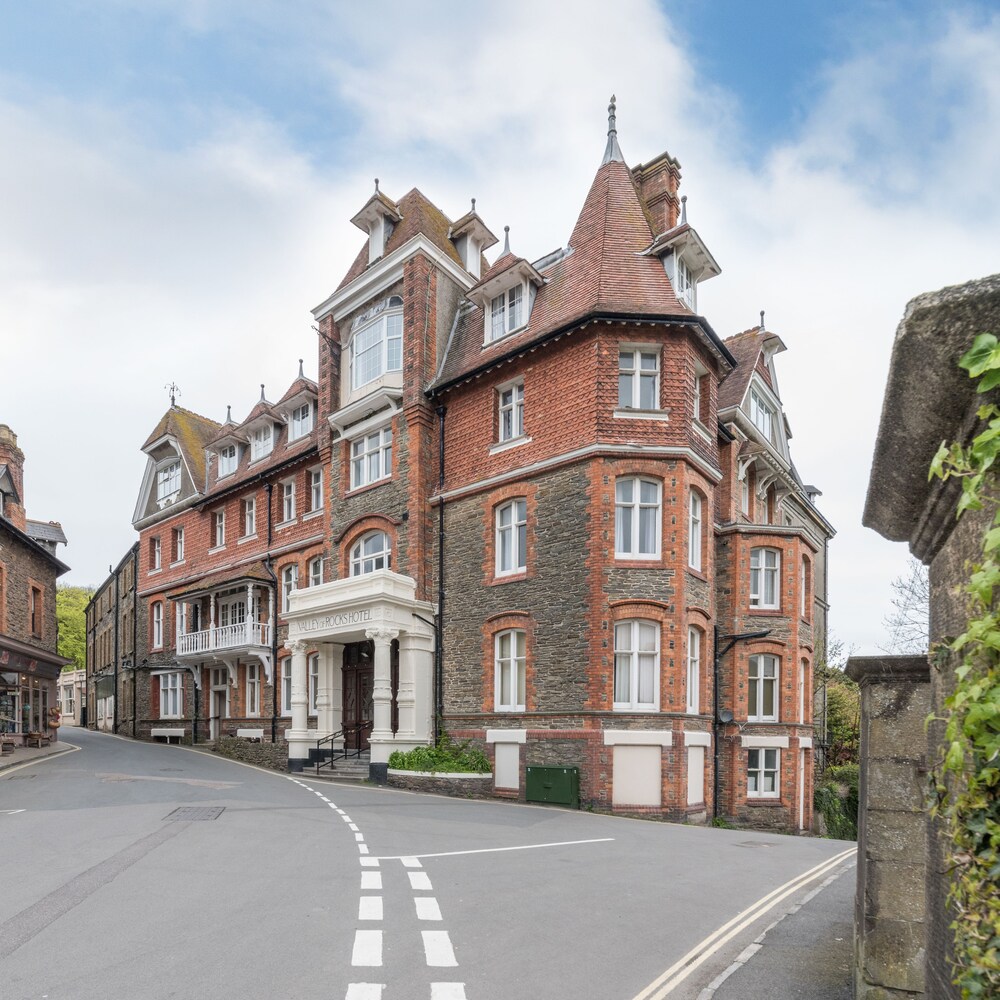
(685,285)
(507,312)
(377,342)
(762,415)
(168,481)
(302,421)
(227,460)
(262,442)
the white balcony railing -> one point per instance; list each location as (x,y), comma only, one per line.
(224,637)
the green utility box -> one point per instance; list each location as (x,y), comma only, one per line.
(558,785)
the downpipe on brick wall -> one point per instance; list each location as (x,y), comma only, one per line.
(439,618)
(269,489)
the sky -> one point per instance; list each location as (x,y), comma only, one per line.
(178,177)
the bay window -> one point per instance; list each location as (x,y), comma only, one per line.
(377,343)
(637,665)
(765,575)
(510,671)
(762,689)
(637,518)
(638,379)
(762,773)
(511,537)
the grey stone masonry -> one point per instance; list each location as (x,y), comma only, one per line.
(890,932)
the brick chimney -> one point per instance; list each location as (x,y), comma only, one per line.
(13,458)
(657,182)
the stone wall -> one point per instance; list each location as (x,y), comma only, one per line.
(272,755)
(890,923)
(465,786)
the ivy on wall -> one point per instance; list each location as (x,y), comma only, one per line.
(967,781)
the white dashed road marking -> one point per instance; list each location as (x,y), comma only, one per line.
(367,948)
(420,880)
(366,991)
(447,991)
(371,880)
(411,863)
(427,908)
(438,949)
(370,908)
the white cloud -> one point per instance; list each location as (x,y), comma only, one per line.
(124,264)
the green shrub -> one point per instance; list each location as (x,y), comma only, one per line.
(837,800)
(445,757)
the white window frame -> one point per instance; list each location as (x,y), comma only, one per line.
(762,762)
(315,490)
(765,579)
(383,336)
(302,421)
(763,416)
(157,624)
(172,695)
(288,501)
(249,505)
(685,284)
(510,411)
(745,495)
(507,312)
(630,660)
(693,700)
(804,586)
(289,583)
(803,668)
(219,528)
(632,377)
(371,457)
(178,545)
(511,537)
(757,682)
(510,663)
(316,571)
(228,460)
(360,559)
(157,552)
(312,682)
(261,442)
(253,690)
(285,665)
(630,511)
(168,480)
(694,530)
(180,620)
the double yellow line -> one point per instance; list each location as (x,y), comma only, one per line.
(665,983)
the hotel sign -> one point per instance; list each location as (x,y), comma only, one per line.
(340,620)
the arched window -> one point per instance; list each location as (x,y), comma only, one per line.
(637,518)
(510,671)
(316,571)
(289,581)
(693,670)
(157,625)
(694,532)
(637,665)
(762,689)
(511,537)
(371,552)
(765,575)
(377,342)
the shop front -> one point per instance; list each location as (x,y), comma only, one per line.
(29,699)
(375,648)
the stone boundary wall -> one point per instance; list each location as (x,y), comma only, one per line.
(271,755)
(890,932)
(465,786)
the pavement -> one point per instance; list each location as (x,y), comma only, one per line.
(24,755)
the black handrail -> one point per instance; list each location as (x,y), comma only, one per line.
(342,752)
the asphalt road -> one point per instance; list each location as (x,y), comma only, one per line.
(284,887)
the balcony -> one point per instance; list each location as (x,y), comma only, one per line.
(225,638)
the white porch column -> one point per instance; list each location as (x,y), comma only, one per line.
(250,618)
(299,737)
(416,688)
(328,708)
(382,692)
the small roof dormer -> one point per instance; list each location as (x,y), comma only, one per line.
(471,237)
(506,293)
(259,427)
(377,218)
(298,406)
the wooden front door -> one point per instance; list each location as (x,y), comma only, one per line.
(358,687)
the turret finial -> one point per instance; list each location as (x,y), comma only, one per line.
(612,152)
(473,204)
(376,185)
(301,373)
(229,414)
(175,390)
(506,240)
(262,392)
(762,321)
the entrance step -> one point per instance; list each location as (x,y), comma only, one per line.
(355,770)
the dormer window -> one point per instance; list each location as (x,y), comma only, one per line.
(685,285)
(228,459)
(507,312)
(302,421)
(763,417)
(261,442)
(168,481)
(377,343)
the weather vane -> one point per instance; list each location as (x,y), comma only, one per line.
(175,390)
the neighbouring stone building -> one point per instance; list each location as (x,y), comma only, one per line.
(29,568)
(903,935)
(539,504)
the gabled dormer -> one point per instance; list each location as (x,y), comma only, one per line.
(298,406)
(378,217)
(685,258)
(471,237)
(261,427)
(175,467)
(228,447)
(506,294)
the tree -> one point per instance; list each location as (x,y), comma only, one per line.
(71,603)
(906,625)
(837,703)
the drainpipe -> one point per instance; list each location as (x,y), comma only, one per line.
(269,489)
(114,721)
(439,629)
(135,637)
